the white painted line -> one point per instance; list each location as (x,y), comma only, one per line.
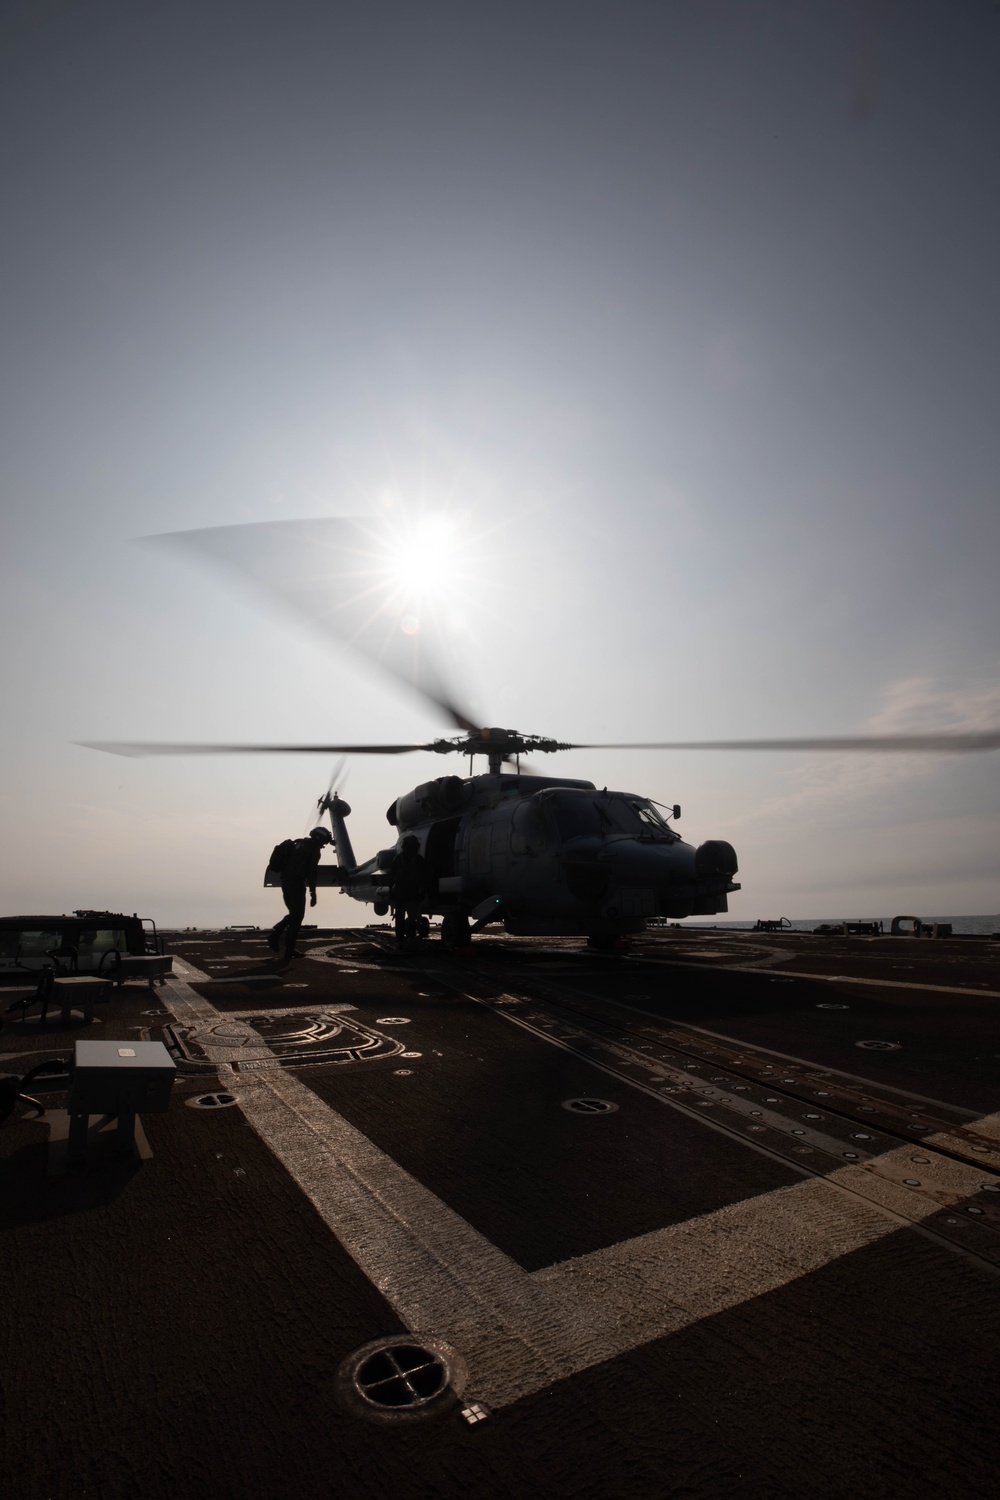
(188,971)
(896,984)
(893,984)
(519,1331)
(298,1008)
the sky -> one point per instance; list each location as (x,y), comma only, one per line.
(677,323)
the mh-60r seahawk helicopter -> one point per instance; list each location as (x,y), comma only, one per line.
(541,854)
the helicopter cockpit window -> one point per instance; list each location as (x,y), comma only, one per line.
(577,817)
(648,815)
(623,816)
(639,819)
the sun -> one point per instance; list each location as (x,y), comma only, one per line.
(423,559)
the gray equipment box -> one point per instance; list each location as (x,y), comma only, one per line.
(116,1078)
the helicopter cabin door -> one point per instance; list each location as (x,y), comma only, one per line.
(439,851)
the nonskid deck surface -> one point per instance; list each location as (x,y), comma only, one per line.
(682,1231)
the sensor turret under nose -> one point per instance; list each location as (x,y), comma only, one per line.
(715,857)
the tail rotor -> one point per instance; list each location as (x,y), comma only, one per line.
(338,779)
(337,782)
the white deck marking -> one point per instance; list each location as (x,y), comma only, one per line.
(752,968)
(521,1331)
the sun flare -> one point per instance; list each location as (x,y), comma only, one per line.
(422,562)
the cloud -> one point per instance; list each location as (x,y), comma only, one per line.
(825,782)
(915,855)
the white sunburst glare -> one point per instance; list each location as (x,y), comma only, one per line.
(424,560)
(430,574)
(419,580)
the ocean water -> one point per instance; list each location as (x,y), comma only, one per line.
(981,925)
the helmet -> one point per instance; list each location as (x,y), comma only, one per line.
(321,835)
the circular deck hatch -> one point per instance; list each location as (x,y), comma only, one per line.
(401,1379)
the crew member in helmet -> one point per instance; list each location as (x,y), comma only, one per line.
(407,888)
(298,876)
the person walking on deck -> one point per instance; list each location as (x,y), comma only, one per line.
(297,876)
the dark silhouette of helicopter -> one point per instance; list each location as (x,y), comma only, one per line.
(539,854)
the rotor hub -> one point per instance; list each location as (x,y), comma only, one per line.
(498,745)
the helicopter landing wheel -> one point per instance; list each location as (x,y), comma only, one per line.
(606,942)
(455,930)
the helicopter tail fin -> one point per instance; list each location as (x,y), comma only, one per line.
(339,810)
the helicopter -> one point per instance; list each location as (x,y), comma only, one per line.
(543,855)
(540,855)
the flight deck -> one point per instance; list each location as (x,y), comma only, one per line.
(716,1213)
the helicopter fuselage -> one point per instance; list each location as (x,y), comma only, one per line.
(542,855)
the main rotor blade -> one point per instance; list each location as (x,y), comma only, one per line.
(987,739)
(337,573)
(143,747)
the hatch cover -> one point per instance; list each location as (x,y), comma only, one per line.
(401,1379)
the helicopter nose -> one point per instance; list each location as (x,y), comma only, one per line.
(640,864)
(672,880)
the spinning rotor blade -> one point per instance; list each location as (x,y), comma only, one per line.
(320,805)
(988,739)
(140,748)
(338,766)
(339,574)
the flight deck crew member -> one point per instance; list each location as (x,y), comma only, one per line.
(407,887)
(298,876)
